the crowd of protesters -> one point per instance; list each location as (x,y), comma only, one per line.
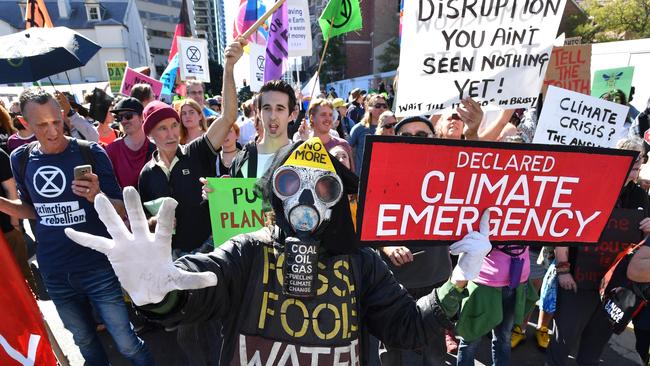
(168,150)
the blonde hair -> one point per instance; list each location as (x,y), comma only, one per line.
(178,106)
(317,103)
(370,100)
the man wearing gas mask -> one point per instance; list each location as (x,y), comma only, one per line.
(300,291)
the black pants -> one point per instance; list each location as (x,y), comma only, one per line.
(579,320)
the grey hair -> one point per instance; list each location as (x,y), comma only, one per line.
(35,95)
(630,143)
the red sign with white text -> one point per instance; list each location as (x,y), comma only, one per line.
(23,339)
(424,191)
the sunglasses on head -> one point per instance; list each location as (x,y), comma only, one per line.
(380,105)
(389,125)
(124,116)
(417,134)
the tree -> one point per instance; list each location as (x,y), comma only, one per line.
(611,20)
(244,94)
(333,68)
(389,59)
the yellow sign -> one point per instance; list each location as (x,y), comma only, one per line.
(311,154)
(116,74)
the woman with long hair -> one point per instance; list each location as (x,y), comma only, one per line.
(193,123)
(375,106)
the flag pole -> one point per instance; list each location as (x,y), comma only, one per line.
(260,21)
(322,57)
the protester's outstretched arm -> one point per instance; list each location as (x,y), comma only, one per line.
(17,208)
(494,129)
(218,131)
(393,316)
(84,127)
(472,114)
(639,268)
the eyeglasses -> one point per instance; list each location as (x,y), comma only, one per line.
(389,125)
(417,134)
(381,105)
(125,116)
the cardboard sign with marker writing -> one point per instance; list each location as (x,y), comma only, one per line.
(543,194)
(495,52)
(132,77)
(235,208)
(569,68)
(570,118)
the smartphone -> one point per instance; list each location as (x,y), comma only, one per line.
(81,170)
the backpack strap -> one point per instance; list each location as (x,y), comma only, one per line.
(86,152)
(23,159)
(252,160)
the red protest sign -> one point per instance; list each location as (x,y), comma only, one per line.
(569,68)
(429,190)
(23,339)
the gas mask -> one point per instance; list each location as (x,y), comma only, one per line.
(307,196)
(308,187)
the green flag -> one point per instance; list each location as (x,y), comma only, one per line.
(346,15)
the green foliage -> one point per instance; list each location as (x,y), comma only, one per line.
(611,20)
(244,94)
(333,68)
(389,59)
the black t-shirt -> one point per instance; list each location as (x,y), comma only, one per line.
(5,174)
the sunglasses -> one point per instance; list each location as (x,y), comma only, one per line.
(381,105)
(389,125)
(125,116)
(417,134)
(14,115)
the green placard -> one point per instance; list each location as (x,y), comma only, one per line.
(234,208)
(115,74)
(608,80)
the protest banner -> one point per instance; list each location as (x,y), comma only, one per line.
(541,194)
(257,56)
(235,208)
(23,337)
(609,80)
(194,59)
(570,118)
(132,77)
(299,28)
(115,70)
(277,45)
(621,232)
(569,68)
(494,52)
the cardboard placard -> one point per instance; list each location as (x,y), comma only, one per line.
(569,68)
(115,70)
(235,208)
(612,80)
(494,52)
(132,77)
(194,59)
(570,118)
(541,194)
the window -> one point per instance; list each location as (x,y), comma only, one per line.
(93,13)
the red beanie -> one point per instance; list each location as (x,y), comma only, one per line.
(155,112)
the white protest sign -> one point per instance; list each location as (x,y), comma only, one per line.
(194,59)
(309,87)
(493,51)
(257,56)
(570,118)
(299,28)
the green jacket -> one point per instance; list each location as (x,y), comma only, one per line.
(482,310)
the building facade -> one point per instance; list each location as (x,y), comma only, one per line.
(113,24)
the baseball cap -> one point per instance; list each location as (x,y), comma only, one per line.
(128,104)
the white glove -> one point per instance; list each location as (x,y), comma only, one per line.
(471,250)
(142,260)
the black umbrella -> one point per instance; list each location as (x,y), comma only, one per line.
(36,53)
